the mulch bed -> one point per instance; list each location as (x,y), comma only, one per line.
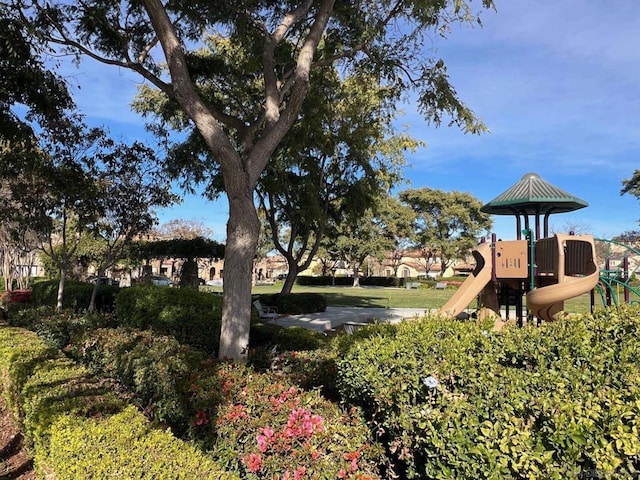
(15,461)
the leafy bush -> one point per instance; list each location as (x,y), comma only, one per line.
(295,303)
(284,339)
(457,401)
(56,401)
(77,295)
(311,370)
(268,429)
(156,369)
(57,328)
(191,316)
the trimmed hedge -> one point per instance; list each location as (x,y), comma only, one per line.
(55,400)
(191,316)
(348,281)
(455,400)
(324,280)
(57,328)
(124,446)
(77,295)
(295,303)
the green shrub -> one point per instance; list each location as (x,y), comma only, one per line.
(73,422)
(311,370)
(123,446)
(77,295)
(324,281)
(41,385)
(191,316)
(155,368)
(285,338)
(57,328)
(295,303)
(382,281)
(457,401)
(269,429)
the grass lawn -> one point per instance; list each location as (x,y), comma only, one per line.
(386,297)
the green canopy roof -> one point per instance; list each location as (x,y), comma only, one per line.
(532,196)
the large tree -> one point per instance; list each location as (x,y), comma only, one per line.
(254,99)
(448,223)
(31,95)
(333,164)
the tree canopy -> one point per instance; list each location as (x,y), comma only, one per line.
(447,223)
(247,92)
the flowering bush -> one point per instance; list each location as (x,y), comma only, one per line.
(266,429)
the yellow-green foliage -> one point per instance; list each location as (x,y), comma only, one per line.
(123,446)
(58,403)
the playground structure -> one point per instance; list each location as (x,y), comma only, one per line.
(545,269)
(616,274)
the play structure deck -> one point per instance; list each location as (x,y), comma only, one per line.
(544,269)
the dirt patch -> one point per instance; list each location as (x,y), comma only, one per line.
(15,461)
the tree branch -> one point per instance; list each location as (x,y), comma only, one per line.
(267,144)
(184,90)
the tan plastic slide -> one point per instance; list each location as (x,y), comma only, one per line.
(473,285)
(545,302)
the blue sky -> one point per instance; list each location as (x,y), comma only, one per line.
(556,82)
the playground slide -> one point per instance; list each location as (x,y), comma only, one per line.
(473,285)
(545,302)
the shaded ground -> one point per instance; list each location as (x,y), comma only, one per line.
(15,462)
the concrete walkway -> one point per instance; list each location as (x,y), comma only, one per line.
(336,316)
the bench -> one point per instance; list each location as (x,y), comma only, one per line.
(350,327)
(441,286)
(409,285)
(265,312)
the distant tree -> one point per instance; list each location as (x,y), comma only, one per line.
(129,189)
(246,94)
(52,194)
(630,237)
(572,226)
(447,222)
(631,185)
(17,257)
(329,166)
(185,229)
(189,249)
(358,236)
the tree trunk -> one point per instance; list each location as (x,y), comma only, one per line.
(189,274)
(94,295)
(63,277)
(356,275)
(291,277)
(243,229)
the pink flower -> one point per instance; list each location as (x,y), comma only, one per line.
(342,473)
(302,424)
(299,473)
(263,438)
(253,461)
(201,418)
